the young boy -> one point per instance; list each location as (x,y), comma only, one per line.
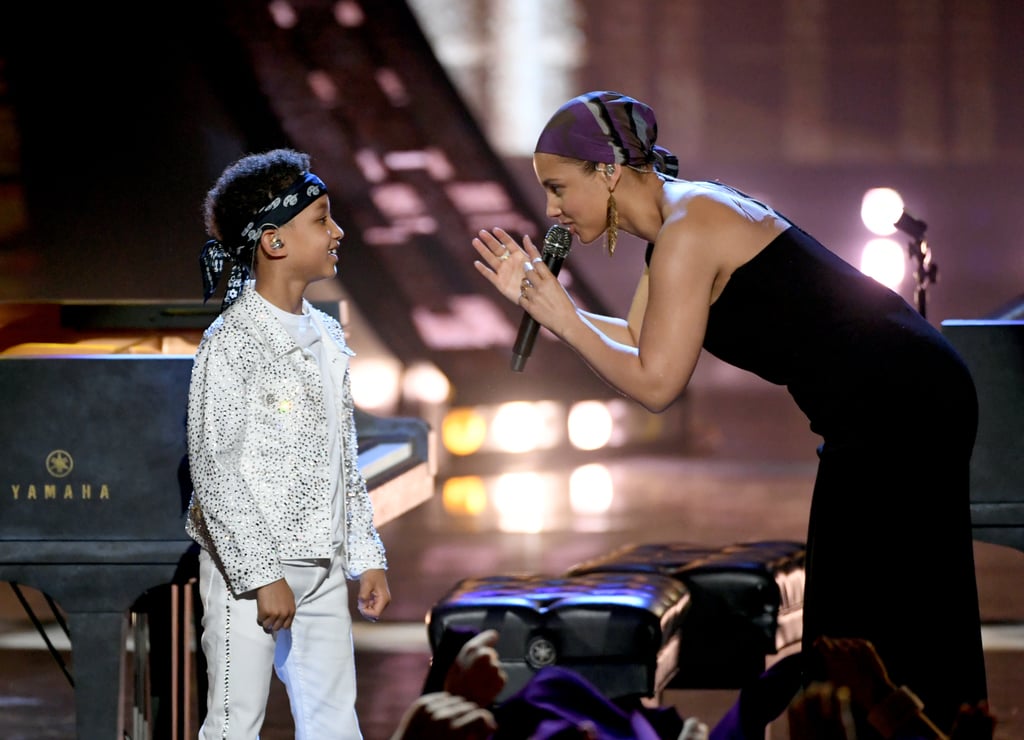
(279,506)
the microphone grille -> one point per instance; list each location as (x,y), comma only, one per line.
(557,241)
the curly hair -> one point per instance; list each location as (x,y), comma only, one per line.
(246,186)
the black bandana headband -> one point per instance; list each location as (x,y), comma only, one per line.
(279,211)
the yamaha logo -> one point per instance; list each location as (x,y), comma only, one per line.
(59,463)
(540,651)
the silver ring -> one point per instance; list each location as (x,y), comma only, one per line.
(535,260)
(504,256)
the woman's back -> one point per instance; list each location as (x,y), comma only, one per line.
(848,349)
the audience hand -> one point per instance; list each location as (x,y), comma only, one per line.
(854,663)
(693,729)
(476,672)
(974,722)
(442,716)
(890,710)
(822,712)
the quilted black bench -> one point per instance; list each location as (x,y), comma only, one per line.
(618,630)
(641,619)
(746,604)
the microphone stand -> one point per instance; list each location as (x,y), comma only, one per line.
(926,271)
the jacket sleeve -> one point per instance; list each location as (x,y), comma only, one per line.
(227,515)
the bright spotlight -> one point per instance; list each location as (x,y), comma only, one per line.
(375,383)
(463,431)
(520,426)
(519,499)
(514,425)
(883,259)
(589,425)
(590,489)
(880,209)
(424,382)
(464,495)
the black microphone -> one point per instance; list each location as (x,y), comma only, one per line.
(556,248)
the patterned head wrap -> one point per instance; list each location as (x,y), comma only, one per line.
(279,211)
(605,126)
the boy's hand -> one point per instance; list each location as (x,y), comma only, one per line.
(374,595)
(275,606)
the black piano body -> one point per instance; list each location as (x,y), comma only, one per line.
(993,349)
(95,488)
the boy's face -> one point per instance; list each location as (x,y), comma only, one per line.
(313,238)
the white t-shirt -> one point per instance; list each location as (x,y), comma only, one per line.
(306,333)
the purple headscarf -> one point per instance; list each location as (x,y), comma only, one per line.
(605,126)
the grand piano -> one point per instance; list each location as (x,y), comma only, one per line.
(94,484)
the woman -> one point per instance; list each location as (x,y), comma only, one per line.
(890,554)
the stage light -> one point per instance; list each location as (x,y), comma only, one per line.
(424,382)
(883,259)
(513,426)
(879,210)
(591,490)
(375,383)
(521,501)
(463,431)
(589,425)
(283,14)
(464,495)
(522,426)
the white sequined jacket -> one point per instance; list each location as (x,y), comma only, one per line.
(258,449)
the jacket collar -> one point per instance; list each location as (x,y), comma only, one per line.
(255,307)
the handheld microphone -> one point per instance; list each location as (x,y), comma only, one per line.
(557,242)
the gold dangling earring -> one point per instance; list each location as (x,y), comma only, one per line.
(611,233)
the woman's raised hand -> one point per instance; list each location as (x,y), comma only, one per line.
(502,260)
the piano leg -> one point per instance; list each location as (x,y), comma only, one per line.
(97,640)
(163,665)
(173,668)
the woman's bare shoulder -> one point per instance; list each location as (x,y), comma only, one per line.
(716,228)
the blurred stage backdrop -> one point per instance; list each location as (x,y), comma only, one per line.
(421,116)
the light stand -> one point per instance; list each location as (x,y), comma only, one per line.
(926,271)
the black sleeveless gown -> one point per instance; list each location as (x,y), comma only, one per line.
(890,553)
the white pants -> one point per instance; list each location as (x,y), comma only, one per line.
(314,658)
